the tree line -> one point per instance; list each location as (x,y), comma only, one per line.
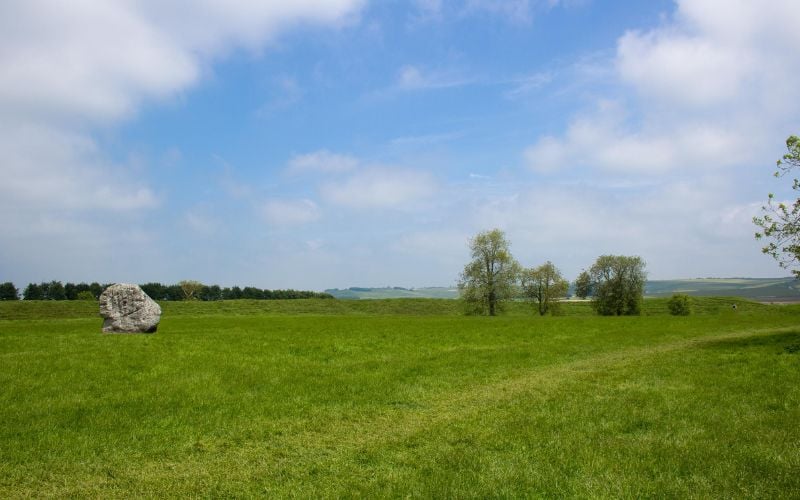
(493,277)
(184,290)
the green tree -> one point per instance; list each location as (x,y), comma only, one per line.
(213,292)
(780,221)
(96,289)
(33,292)
(491,276)
(190,289)
(251,292)
(55,291)
(680,305)
(616,284)
(85,295)
(8,291)
(583,285)
(173,292)
(545,286)
(154,290)
(232,293)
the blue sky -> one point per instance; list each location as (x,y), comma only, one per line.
(335,143)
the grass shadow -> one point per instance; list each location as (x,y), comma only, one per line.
(788,342)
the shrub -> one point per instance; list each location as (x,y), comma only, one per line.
(86,295)
(680,305)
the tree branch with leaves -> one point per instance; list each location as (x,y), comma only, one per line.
(780,221)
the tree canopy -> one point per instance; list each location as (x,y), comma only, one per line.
(490,278)
(8,291)
(615,283)
(545,286)
(780,222)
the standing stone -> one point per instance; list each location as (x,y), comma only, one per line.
(127,309)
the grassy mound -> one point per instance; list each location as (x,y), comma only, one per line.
(377,307)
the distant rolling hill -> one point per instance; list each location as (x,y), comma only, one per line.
(762,289)
(435,292)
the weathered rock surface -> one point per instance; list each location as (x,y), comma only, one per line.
(127,309)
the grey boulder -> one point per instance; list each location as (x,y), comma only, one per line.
(127,309)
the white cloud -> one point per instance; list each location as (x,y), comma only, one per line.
(689,70)
(380,188)
(290,212)
(200,222)
(71,69)
(528,84)
(411,78)
(51,169)
(603,139)
(98,59)
(425,140)
(445,245)
(682,228)
(322,161)
(548,155)
(713,87)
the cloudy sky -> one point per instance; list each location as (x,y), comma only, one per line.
(334,143)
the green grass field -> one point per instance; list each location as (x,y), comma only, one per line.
(324,398)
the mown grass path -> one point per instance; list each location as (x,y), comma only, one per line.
(373,405)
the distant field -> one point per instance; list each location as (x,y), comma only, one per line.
(395,293)
(395,398)
(763,289)
(766,289)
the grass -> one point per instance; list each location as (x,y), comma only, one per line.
(400,398)
(302,307)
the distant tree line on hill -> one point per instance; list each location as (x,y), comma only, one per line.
(193,290)
(185,290)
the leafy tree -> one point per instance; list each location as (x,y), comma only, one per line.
(545,286)
(583,285)
(96,289)
(190,289)
(251,292)
(70,291)
(55,291)
(33,292)
(616,283)
(45,288)
(155,291)
(80,287)
(213,292)
(679,305)
(85,295)
(8,291)
(781,221)
(490,278)
(173,292)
